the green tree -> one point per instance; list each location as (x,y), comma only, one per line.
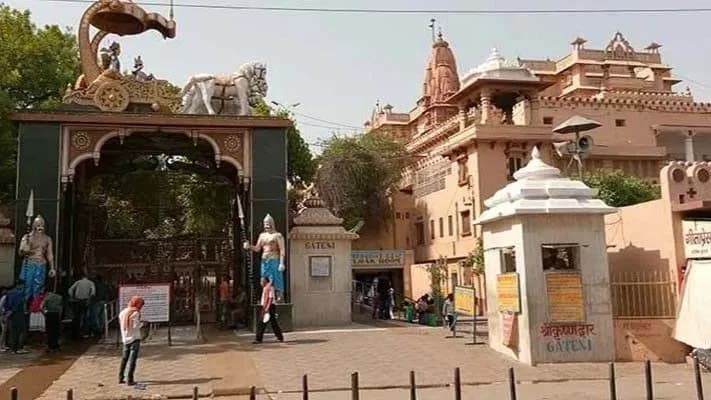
(36,64)
(620,190)
(357,175)
(475,258)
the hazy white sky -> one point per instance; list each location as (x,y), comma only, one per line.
(338,65)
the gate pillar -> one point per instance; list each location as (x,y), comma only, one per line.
(38,170)
(320,267)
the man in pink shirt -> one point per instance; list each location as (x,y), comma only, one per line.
(268,313)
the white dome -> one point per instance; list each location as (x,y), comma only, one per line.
(539,189)
(497,67)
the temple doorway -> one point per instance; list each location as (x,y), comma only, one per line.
(157,208)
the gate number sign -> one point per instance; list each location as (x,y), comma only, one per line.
(156,299)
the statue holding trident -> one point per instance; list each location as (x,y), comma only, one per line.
(271,244)
(36,248)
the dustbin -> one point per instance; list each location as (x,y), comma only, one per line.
(432,319)
(409,313)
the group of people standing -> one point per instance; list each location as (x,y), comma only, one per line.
(24,309)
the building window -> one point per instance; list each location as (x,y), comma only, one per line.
(407,215)
(420,231)
(466,223)
(398,215)
(441,227)
(450,228)
(515,163)
(508,260)
(620,123)
(547,120)
(463,171)
(432,229)
(560,257)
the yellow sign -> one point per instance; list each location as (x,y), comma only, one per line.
(464,300)
(565,297)
(507,293)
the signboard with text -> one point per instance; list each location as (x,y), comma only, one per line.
(697,238)
(377,258)
(565,297)
(464,300)
(156,299)
(509,329)
(508,295)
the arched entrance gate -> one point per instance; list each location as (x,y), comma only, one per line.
(59,152)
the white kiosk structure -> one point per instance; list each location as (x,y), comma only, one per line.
(547,277)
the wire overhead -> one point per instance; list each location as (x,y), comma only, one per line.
(679,10)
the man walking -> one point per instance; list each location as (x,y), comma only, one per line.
(81,293)
(268,313)
(130,325)
(52,310)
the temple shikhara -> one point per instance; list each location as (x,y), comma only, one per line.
(470,131)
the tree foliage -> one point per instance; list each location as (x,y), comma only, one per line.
(159,203)
(620,190)
(357,175)
(475,258)
(36,65)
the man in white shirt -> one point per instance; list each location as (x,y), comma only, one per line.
(81,293)
(268,308)
(130,325)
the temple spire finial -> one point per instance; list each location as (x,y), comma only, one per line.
(432,26)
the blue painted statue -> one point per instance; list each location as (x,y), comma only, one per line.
(36,250)
(271,244)
(110,57)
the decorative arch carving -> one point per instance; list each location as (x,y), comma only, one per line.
(83,143)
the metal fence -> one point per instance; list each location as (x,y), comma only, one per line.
(356,390)
(643,294)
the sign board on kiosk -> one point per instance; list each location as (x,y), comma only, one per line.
(156,297)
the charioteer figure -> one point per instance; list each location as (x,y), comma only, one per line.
(36,249)
(271,244)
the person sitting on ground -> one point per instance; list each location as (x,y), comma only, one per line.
(422,307)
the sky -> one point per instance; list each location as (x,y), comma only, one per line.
(338,65)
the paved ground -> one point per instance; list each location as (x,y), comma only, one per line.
(227,365)
(384,358)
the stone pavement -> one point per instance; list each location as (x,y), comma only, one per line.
(166,371)
(11,364)
(383,359)
(228,365)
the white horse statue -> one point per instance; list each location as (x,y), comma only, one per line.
(234,94)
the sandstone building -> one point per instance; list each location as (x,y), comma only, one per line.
(470,132)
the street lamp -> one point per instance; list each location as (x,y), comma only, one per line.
(581,145)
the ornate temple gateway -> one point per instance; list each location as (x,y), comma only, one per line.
(116,123)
